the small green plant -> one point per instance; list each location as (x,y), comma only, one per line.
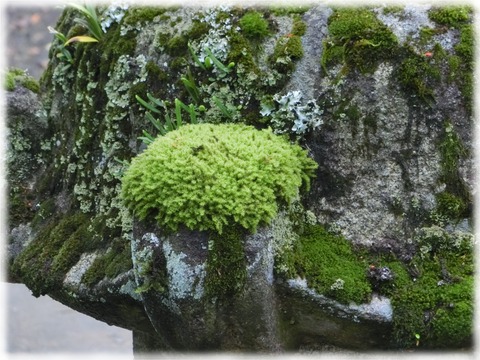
(62,52)
(417,337)
(90,20)
(175,120)
(171,123)
(210,60)
(207,177)
(253,25)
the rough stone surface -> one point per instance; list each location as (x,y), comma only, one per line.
(70,146)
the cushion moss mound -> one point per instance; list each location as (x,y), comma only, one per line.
(208,176)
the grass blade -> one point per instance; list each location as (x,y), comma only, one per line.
(147,105)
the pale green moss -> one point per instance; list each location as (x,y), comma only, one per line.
(208,176)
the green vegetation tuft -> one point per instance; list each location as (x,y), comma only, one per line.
(288,49)
(359,37)
(438,304)
(418,76)
(453,16)
(253,25)
(209,176)
(329,265)
(450,206)
(139,14)
(17,76)
(58,246)
(299,27)
(115,261)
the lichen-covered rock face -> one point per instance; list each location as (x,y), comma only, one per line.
(380,98)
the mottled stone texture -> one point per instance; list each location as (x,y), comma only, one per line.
(392,139)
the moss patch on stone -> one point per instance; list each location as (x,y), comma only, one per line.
(58,246)
(226,264)
(115,261)
(357,39)
(329,265)
(254,25)
(453,16)
(208,177)
(16,77)
(419,76)
(438,304)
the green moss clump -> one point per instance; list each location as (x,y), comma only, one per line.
(453,16)
(18,76)
(46,260)
(360,37)
(115,261)
(139,14)
(198,29)
(46,210)
(177,45)
(299,27)
(289,10)
(253,25)
(466,50)
(209,176)
(438,305)
(418,76)
(450,206)
(288,49)
(452,151)
(329,265)
(226,264)
(241,53)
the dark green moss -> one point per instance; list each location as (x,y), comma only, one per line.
(419,76)
(162,40)
(76,30)
(393,9)
(179,64)
(177,45)
(370,123)
(241,53)
(289,10)
(115,261)
(20,77)
(452,151)
(466,50)
(352,114)
(288,49)
(329,265)
(438,305)
(254,25)
(450,206)
(19,208)
(299,27)
(58,246)
(291,47)
(124,44)
(46,210)
(226,264)
(198,30)
(453,16)
(142,14)
(360,37)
